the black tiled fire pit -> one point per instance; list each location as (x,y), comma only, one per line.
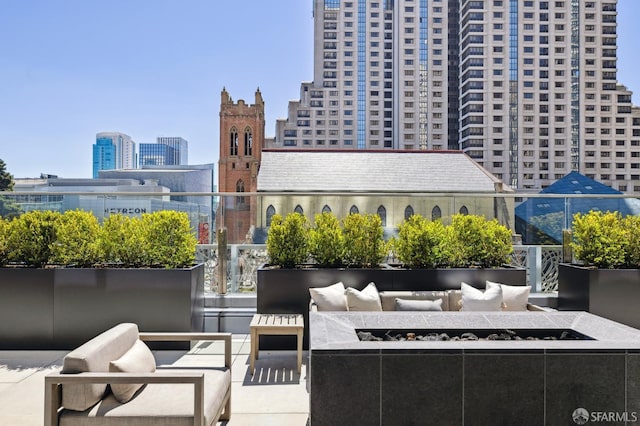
(477,382)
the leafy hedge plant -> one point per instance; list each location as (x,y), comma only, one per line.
(31,236)
(4,243)
(326,241)
(363,240)
(606,240)
(288,240)
(75,238)
(421,243)
(357,241)
(470,240)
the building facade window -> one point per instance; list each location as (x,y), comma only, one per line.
(382,212)
(354,210)
(436,213)
(464,210)
(326,209)
(248,141)
(233,142)
(298,209)
(270,212)
(408,212)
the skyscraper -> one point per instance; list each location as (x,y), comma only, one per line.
(527,88)
(113,150)
(180,147)
(156,154)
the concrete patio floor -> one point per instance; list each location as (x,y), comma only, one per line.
(275,395)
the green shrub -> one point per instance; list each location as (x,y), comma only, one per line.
(476,241)
(77,234)
(363,240)
(421,243)
(122,241)
(632,225)
(4,242)
(287,240)
(600,239)
(326,241)
(168,239)
(31,237)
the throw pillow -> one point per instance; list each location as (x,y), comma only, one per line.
(331,298)
(366,300)
(514,297)
(477,300)
(418,305)
(138,359)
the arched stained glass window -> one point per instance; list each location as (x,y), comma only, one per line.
(408,212)
(248,141)
(382,212)
(436,213)
(270,212)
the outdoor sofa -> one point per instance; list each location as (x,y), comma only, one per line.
(497,297)
(112,380)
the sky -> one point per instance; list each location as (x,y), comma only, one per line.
(72,68)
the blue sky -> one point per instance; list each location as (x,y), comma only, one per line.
(72,68)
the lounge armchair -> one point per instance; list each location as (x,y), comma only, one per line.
(110,380)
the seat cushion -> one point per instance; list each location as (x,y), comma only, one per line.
(474,299)
(330,298)
(157,404)
(366,300)
(94,356)
(418,305)
(138,359)
(388,298)
(514,297)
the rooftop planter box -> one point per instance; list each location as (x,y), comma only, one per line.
(47,305)
(284,287)
(607,283)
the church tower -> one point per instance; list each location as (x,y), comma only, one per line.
(241,143)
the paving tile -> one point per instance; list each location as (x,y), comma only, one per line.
(269,399)
(267,420)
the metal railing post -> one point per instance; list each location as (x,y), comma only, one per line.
(222,261)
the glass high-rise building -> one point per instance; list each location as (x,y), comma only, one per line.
(168,151)
(113,150)
(527,88)
(180,148)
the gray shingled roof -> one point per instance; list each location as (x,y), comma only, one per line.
(368,171)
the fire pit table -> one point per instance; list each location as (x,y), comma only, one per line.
(510,368)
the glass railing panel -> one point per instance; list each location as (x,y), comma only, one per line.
(537,220)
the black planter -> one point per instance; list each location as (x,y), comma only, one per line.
(67,307)
(287,290)
(610,293)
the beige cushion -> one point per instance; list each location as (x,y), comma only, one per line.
(418,305)
(514,297)
(366,300)
(138,359)
(477,300)
(157,404)
(388,298)
(455,300)
(94,356)
(331,298)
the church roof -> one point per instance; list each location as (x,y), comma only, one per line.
(372,171)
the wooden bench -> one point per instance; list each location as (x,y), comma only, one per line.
(275,324)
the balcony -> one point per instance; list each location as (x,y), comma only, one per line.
(276,393)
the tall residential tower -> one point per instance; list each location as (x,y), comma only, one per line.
(527,88)
(113,150)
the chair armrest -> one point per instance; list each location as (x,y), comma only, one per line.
(54,380)
(177,337)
